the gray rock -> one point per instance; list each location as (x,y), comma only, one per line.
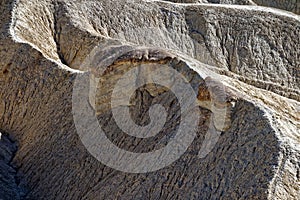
(9,188)
(250,52)
(292,6)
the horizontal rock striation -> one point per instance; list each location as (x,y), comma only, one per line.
(292,6)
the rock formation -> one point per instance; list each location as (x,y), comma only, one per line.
(242,62)
(292,6)
(8,176)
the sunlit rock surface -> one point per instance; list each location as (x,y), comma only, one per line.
(252,51)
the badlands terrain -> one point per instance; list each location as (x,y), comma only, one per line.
(60,59)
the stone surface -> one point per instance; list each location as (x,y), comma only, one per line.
(9,188)
(253,52)
(288,5)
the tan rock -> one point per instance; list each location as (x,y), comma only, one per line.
(248,54)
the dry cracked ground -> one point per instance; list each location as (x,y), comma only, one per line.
(248,51)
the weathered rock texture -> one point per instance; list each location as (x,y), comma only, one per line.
(253,51)
(9,188)
(289,5)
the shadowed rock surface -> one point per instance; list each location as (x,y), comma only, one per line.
(9,188)
(253,51)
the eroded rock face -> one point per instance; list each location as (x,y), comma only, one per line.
(9,188)
(247,46)
(242,62)
(292,6)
